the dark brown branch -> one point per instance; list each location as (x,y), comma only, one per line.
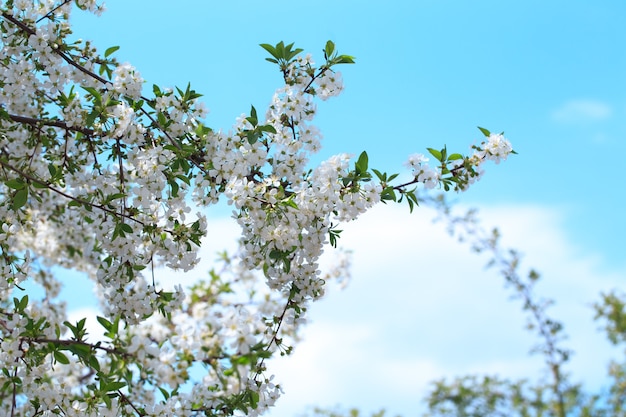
(70,197)
(54,123)
(25,28)
(127,401)
(14,394)
(62,342)
(95,76)
(274,339)
(49,14)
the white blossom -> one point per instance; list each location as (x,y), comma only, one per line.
(99,179)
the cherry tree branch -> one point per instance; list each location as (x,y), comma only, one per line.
(54,123)
(68,196)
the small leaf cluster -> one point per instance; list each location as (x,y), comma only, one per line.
(359,174)
(285,57)
(281,54)
(257,131)
(332,56)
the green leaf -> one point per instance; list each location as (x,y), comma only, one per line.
(180,93)
(116,232)
(329,49)
(281,53)
(485,131)
(362,163)
(254,398)
(381,176)
(267,128)
(52,170)
(411,205)
(455,156)
(291,54)
(388,194)
(94,93)
(435,153)
(162,120)
(93,363)
(107,401)
(20,198)
(269,48)
(253,119)
(411,198)
(114,386)
(91,118)
(252,136)
(80,324)
(280,50)
(16,184)
(289,203)
(105,323)
(78,349)
(75,330)
(114,328)
(345,59)
(40,185)
(61,358)
(164,392)
(23,303)
(110,50)
(114,197)
(175,187)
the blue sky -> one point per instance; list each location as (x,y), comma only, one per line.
(552,75)
(549,74)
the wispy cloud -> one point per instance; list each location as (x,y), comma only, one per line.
(582,111)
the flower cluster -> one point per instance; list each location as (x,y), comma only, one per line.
(496,149)
(422,172)
(99,177)
(458,169)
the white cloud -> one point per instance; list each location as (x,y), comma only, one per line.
(422,307)
(581,111)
